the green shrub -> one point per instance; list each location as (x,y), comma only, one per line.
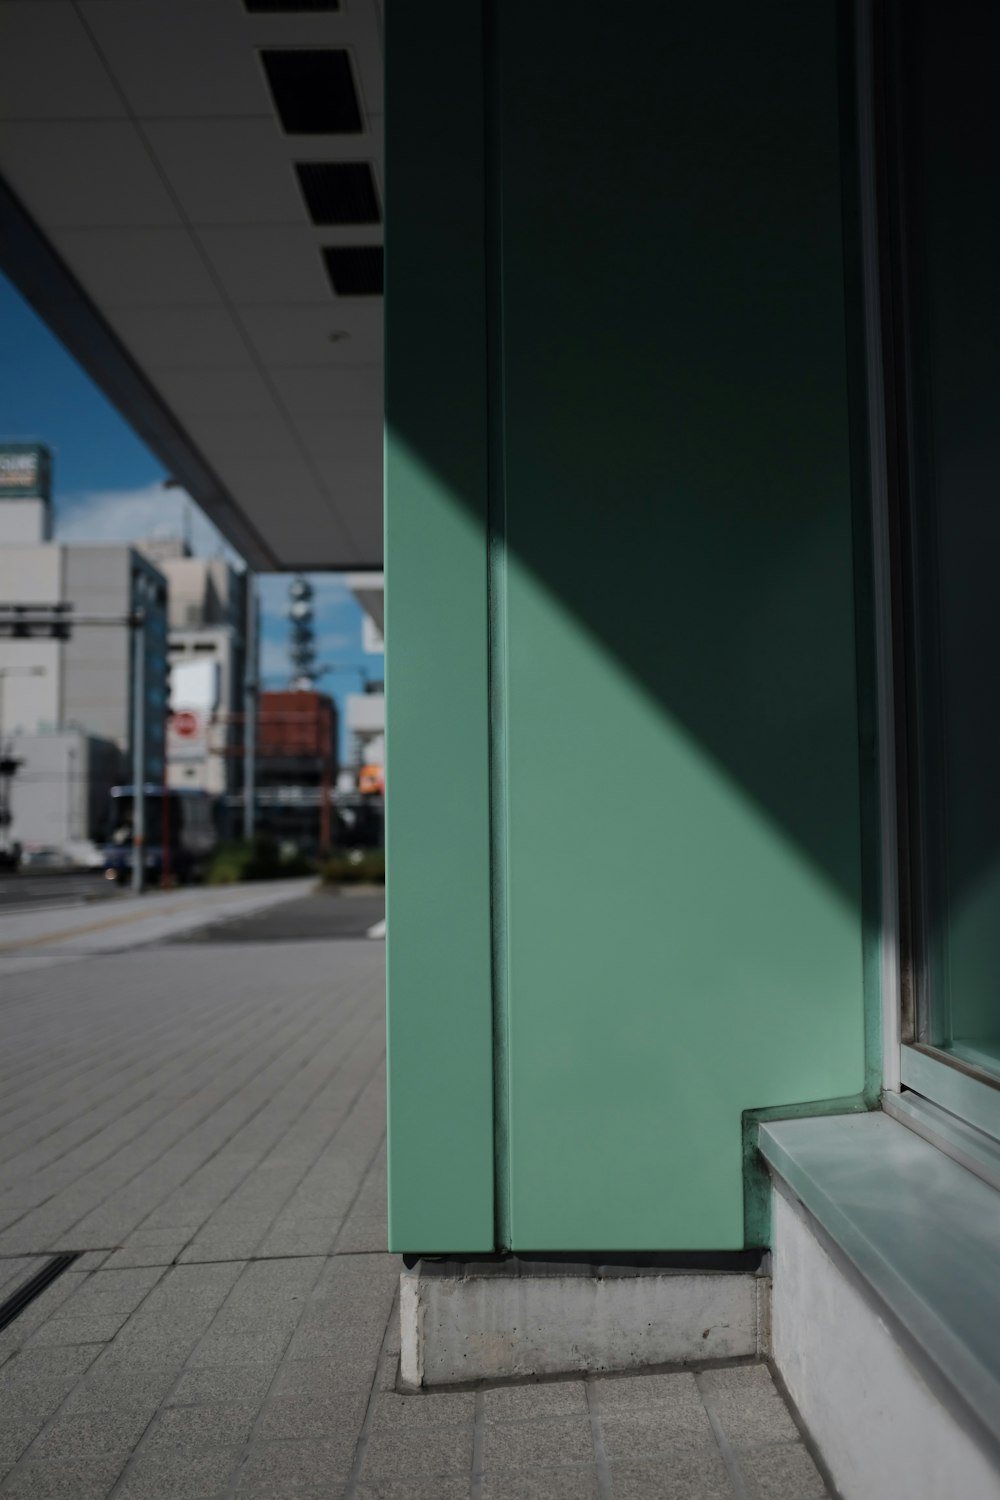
(260,859)
(354,867)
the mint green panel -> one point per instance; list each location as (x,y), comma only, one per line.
(680,819)
(440,1019)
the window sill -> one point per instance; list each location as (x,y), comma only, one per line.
(921,1232)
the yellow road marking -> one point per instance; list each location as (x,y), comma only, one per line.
(69,932)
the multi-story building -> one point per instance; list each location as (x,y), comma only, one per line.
(76,678)
(297,767)
(207,653)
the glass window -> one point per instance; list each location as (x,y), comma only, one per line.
(949,278)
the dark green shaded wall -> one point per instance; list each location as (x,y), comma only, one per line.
(619,475)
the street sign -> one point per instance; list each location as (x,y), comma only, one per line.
(185,724)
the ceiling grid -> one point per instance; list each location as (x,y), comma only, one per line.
(148,152)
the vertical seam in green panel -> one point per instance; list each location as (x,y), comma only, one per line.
(869,750)
(496,590)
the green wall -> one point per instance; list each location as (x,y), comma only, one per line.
(624,827)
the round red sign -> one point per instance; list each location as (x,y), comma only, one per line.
(185,723)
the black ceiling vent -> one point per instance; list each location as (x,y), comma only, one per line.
(313,90)
(339,192)
(280,6)
(355,270)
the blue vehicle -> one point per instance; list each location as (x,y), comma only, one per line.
(181,822)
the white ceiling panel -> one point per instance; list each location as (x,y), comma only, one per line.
(49,69)
(199,395)
(83,174)
(179,337)
(283,500)
(366,146)
(267,435)
(228,171)
(335,392)
(358,438)
(138,267)
(367,48)
(150,46)
(367,532)
(268,265)
(311,335)
(340,479)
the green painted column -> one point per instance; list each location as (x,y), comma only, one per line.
(437,836)
(621,478)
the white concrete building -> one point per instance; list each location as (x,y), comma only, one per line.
(207,653)
(67,690)
(365,712)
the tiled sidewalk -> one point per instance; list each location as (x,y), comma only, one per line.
(205,1124)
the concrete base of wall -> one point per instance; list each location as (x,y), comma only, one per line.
(877,1419)
(484,1321)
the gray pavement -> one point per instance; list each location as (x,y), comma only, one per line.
(204,1124)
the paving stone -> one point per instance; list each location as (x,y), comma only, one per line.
(783,1471)
(408,1452)
(83,1479)
(440,1487)
(614,1395)
(37,1313)
(550,1442)
(692,1477)
(318,1417)
(221,1383)
(15,1271)
(122,1289)
(116,1382)
(646,1432)
(516,1403)
(310,1379)
(35,1381)
(423,1409)
(90,1260)
(162,1253)
(173,1475)
(88,1328)
(91,1435)
(287,1469)
(747,1404)
(17,1431)
(265,1348)
(190,1427)
(544,1484)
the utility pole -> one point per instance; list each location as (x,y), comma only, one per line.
(138,752)
(250,710)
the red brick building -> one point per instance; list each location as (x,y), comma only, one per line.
(297,767)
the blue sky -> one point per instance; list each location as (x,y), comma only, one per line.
(108,487)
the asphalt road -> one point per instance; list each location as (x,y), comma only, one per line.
(314,918)
(23,888)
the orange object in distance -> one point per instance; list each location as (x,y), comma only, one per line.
(371,779)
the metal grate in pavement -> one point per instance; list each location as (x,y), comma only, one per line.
(26,1291)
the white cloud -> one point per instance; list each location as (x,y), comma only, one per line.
(132,515)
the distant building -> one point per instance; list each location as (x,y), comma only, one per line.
(297,767)
(78,678)
(365,711)
(26,492)
(59,794)
(207,653)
